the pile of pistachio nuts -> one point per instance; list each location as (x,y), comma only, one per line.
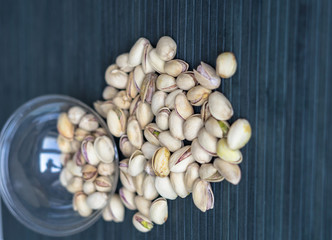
(87,156)
(173,130)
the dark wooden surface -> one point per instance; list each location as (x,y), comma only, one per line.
(283,86)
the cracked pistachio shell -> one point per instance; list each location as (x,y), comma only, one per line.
(89,187)
(82,207)
(89,173)
(89,123)
(191,126)
(162,118)
(157,64)
(134,105)
(125,146)
(207,76)
(148,87)
(166,83)
(144,114)
(74,169)
(191,175)
(166,48)
(198,95)
(104,149)
(177,180)
(171,143)
(102,108)
(176,67)
(207,142)
(160,162)
(227,154)
(127,181)
(131,89)
(148,168)
(226,65)
(159,211)
(219,106)
(149,189)
(108,72)
(122,62)
(116,208)
(183,106)
(180,159)
(65,126)
(123,165)
(231,172)
(143,205)
(127,198)
(65,176)
(75,114)
(122,100)
(170,99)
(186,80)
(202,195)
(164,188)
(216,128)
(80,134)
(75,184)
(103,184)
(138,77)
(239,134)
(136,52)
(209,173)
(116,121)
(199,154)
(135,134)
(146,65)
(158,101)
(205,111)
(89,152)
(148,149)
(97,200)
(151,133)
(138,182)
(117,78)
(109,93)
(136,163)
(142,223)
(106,169)
(175,123)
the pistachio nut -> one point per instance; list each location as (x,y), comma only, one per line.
(186,80)
(176,125)
(122,62)
(158,101)
(131,89)
(138,182)
(89,187)
(148,149)
(106,169)
(239,134)
(65,145)
(183,106)
(65,176)
(149,169)
(136,52)
(103,184)
(149,190)
(102,108)
(191,175)
(162,118)
(123,165)
(65,126)
(144,114)
(99,132)
(202,195)
(170,99)
(122,100)
(97,200)
(136,163)
(117,78)
(205,111)
(78,158)
(135,134)
(116,208)
(151,133)
(89,123)
(216,128)
(199,154)
(156,62)
(191,126)
(89,173)
(127,181)
(207,76)
(146,65)
(226,65)
(198,95)
(109,70)
(148,87)
(160,162)
(159,211)
(80,134)
(219,106)
(75,184)
(75,114)
(104,149)
(82,207)
(109,92)
(125,146)
(180,159)
(64,158)
(143,205)
(166,83)
(177,180)
(138,77)
(127,198)
(171,143)
(116,121)
(166,48)
(209,173)
(107,216)
(164,188)
(176,67)
(207,142)
(134,105)
(231,172)
(142,223)
(227,154)
(89,152)
(74,169)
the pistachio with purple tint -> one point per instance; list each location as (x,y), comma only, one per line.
(205,111)
(104,149)
(103,184)
(127,198)
(198,95)
(142,223)
(136,163)
(88,151)
(148,87)
(166,83)
(89,173)
(207,76)
(180,159)
(89,123)
(123,165)
(146,65)
(127,181)
(151,133)
(176,67)
(202,195)
(116,121)
(136,52)
(125,146)
(79,158)
(131,89)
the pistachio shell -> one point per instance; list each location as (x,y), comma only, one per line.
(134,105)
(102,108)
(226,65)
(125,146)
(158,101)
(116,121)
(149,190)
(166,48)
(103,184)
(207,142)
(146,65)
(182,106)
(89,123)
(162,118)
(148,149)
(149,169)
(106,169)
(89,187)
(176,125)
(108,72)
(107,214)
(135,134)
(205,111)
(191,175)
(177,180)
(138,77)
(75,184)
(127,197)
(81,204)
(186,80)
(74,169)
(166,83)
(80,134)
(104,149)
(171,143)
(202,195)
(180,159)
(170,99)
(156,62)
(142,223)
(239,134)
(227,154)
(207,76)
(144,114)
(148,87)
(151,133)
(116,208)
(127,181)
(64,158)
(143,205)
(219,106)
(123,165)
(138,182)
(215,128)
(231,172)
(75,114)
(64,144)
(89,152)
(97,200)
(122,62)
(209,173)
(199,154)
(131,89)
(176,67)
(164,188)
(89,173)
(117,78)
(136,52)
(160,162)
(159,211)
(191,126)
(109,92)
(65,127)
(65,176)
(136,163)
(198,95)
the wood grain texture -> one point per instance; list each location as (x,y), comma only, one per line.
(283,86)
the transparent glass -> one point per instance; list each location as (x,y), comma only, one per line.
(30,167)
